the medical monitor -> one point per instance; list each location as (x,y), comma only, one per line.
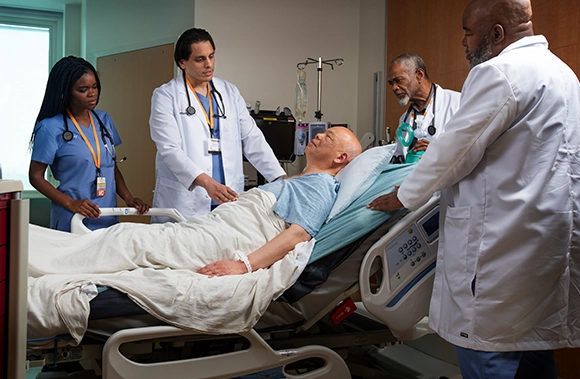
(315,128)
(279,131)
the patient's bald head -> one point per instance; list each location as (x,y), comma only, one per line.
(350,144)
(492,25)
(332,150)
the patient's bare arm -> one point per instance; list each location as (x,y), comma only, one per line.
(265,256)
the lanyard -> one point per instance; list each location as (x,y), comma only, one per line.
(431,103)
(207,118)
(96,157)
(413,117)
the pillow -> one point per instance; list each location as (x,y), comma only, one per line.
(359,175)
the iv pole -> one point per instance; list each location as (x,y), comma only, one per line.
(330,62)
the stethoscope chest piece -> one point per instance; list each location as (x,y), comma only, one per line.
(431,129)
(67,135)
(190,110)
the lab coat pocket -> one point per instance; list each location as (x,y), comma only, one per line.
(456,239)
(172,194)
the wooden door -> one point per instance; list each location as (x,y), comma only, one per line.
(128,80)
(433,30)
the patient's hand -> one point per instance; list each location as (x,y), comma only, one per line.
(388,202)
(221,268)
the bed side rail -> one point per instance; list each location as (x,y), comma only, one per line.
(396,276)
(258,357)
(77,226)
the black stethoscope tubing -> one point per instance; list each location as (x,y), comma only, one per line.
(431,129)
(67,135)
(190,111)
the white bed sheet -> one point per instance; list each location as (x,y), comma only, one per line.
(162,281)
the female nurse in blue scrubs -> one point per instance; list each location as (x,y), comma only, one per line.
(78,143)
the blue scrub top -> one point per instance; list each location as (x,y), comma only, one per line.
(72,164)
(217,162)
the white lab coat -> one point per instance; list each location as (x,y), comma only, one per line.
(182,152)
(446,103)
(509,164)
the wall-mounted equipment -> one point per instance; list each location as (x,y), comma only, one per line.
(301,138)
(317,127)
(279,129)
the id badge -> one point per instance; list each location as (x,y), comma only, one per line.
(101,186)
(419,121)
(213,145)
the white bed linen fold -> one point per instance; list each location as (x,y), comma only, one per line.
(155,265)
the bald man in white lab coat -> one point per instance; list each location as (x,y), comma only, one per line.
(507,283)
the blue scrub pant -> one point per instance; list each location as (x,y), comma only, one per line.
(506,365)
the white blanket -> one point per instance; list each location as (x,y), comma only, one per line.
(155,265)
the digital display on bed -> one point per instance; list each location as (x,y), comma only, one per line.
(431,225)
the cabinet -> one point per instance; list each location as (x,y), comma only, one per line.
(13,271)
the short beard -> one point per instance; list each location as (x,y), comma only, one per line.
(481,54)
(404,101)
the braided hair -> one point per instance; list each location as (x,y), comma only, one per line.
(63,75)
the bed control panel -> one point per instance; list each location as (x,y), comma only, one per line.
(411,250)
(402,263)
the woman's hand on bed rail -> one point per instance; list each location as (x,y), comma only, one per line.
(84,207)
(138,204)
(388,202)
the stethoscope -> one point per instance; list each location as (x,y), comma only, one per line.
(190,111)
(67,135)
(431,129)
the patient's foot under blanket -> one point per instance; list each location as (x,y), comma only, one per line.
(155,265)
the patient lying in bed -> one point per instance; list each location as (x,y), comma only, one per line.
(158,266)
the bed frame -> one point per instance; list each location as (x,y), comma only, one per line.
(394,288)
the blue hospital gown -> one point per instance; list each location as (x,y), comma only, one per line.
(72,164)
(305,200)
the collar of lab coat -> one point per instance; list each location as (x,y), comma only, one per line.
(438,98)
(539,40)
(218,84)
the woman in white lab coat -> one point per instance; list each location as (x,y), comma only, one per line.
(201,127)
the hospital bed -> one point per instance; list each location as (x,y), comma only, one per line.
(306,333)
